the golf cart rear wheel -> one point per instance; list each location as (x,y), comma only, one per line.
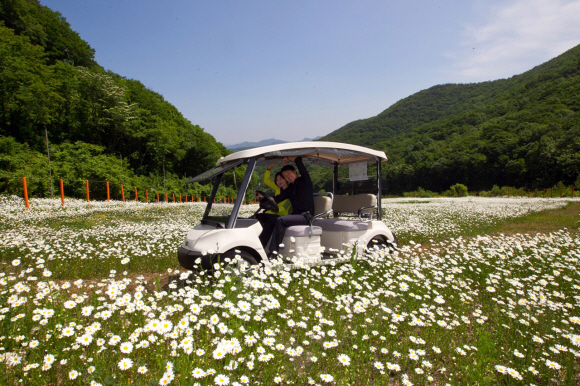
(381,242)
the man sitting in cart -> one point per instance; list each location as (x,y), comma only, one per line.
(268,219)
(301,194)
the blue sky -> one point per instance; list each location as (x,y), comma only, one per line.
(253,70)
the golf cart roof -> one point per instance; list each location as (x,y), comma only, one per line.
(318,152)
(324,153)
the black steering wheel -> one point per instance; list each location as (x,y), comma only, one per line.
(267,202)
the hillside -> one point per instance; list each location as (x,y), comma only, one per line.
(100,125)
(523,131)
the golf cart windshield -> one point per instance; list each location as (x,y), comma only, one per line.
(223,213)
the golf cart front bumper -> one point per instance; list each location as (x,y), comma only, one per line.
(189,259)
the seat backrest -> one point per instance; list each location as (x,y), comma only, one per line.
(352,204)
(321,204)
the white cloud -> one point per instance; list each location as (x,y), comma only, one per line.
(516,36)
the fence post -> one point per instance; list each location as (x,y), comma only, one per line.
(122,193)
(136,196)
(561,191)
(173,197)
(108,196)
(166,200)
(87,182)
(61,193)
(180,199)
(573,191)
(146,196)
(25,192)
(157,196)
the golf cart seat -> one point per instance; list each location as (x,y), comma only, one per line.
(300,240)
(340,225)
(339,231)
(359,205)
(302,231)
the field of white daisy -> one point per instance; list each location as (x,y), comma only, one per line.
(93,294)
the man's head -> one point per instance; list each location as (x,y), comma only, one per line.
(289,173)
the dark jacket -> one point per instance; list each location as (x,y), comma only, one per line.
(300,192)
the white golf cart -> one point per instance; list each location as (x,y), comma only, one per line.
(341,222)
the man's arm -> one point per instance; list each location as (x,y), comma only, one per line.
(302,169)
(284,194)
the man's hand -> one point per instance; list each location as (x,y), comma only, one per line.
(259,197)
(272,164)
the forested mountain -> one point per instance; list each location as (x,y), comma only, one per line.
(523,131)
(51,81)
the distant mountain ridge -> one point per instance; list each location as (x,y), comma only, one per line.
(265,142)
(523,131)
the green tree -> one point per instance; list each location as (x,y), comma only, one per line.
(27,95)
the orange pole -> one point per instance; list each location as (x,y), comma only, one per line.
(136,196)
(146,196)
(25,192)
(157,196)
(174,197)
(108,197)
(87,182)
(186,198)
(166,200)
(61,193)
(204,199)
(180,198)
(122,193)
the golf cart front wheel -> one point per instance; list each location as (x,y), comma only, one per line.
(244,262)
